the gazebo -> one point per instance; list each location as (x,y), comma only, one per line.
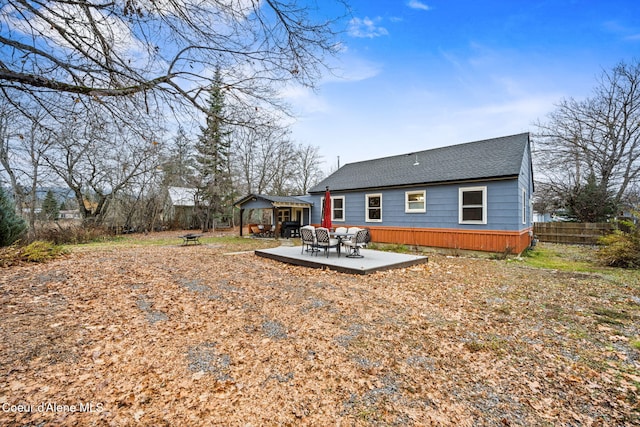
(284,210)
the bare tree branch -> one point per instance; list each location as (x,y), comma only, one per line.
(122,47)
(597,138)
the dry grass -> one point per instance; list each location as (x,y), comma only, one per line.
(169,335)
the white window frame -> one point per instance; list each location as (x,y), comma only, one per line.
(333,209)
(408,209)
(366,207)
(284,215)
(524,206)
(461,207)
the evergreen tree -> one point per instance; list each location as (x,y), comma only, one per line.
(213,158)
(591,202)
(50,209)
(11,225)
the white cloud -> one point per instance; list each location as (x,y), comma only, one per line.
(417,4)
(115,31)
(366,28)
(304,100)
(352,68)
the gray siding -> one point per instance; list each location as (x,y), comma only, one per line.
(257,204)
(525,181)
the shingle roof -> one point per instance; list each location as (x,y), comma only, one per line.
(491,158)
(284,199)
(275,200)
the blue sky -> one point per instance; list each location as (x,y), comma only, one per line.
(420,74)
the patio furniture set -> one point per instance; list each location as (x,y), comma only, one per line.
(321,238)
(260,230)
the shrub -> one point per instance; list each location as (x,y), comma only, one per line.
(38,251)
(11,225)
(72,234)
(621,248)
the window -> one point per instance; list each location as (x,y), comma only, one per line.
(284,215)
(415,201)
(337,208)
(473,205)
(373,208)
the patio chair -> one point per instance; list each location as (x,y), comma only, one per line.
(307,234)
(255,230)
(360,239)
(325,242)
(353,230)
(271,232)
(341,230)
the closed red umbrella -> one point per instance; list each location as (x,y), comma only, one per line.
(326,213)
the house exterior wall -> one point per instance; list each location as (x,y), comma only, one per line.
(525,181)
(508,216)
(257,204)
(504,207)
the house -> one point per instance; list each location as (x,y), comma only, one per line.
(69,214)
(180,211)
(473,196)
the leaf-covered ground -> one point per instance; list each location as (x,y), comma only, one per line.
(169,335)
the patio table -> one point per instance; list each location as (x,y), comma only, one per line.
(340,237)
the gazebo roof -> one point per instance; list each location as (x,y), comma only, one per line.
(273,201)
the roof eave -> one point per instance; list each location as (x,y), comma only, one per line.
(427,183)
(291,204)
(275,204)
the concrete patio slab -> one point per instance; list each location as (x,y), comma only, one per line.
(371,262)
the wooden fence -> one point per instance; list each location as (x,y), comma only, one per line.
(571,232)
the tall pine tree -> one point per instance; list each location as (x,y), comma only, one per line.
(50,207)
(212,157)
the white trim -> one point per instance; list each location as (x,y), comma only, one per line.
(366,207)
(524,206)
(408,209)
(462,190)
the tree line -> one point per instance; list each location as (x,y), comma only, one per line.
(121,173)
(101,98)
(587,151)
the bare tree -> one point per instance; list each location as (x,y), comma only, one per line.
(596,139)
(307,166)
(178,165)
(97,159)
(243,160)
(266,161)
(23,143)
(162,51)
(8,134)
(257,155)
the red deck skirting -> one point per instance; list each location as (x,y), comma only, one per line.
(476,240)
